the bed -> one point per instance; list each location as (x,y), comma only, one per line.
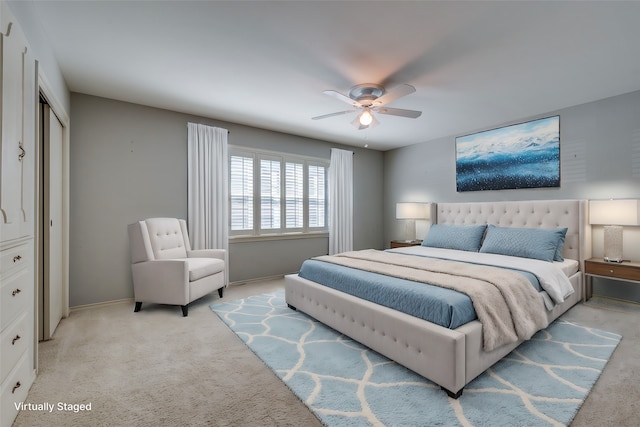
(450,358)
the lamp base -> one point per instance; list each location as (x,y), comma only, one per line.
(613,243)
(410,230)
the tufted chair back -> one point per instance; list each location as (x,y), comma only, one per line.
(160,238)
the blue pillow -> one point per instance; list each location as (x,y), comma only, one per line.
(524,242)
(558,255)
(460,237)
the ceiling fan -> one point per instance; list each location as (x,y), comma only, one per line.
(371,98)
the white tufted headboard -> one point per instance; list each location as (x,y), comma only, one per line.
(527,214)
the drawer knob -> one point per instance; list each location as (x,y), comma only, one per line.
(15,292)
(610,271)
(13,341)
(15,387)
(17,258)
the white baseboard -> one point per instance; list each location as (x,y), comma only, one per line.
(259,279)
(100,304)
(131,300)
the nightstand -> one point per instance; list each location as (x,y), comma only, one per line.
(405,243)
(597,267)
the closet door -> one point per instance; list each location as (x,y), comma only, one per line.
(53,291)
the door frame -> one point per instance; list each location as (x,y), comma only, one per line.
(46,92)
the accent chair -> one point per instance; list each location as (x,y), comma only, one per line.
(166,270)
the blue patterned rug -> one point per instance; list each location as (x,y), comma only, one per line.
(541,383)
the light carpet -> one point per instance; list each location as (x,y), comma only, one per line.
(541,383)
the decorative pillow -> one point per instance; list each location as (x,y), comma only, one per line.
(460,237)
(558,255)
(523,242)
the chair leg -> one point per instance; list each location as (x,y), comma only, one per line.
(138,307)
(185,310)
(221,291)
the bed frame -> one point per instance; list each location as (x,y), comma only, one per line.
(450,358)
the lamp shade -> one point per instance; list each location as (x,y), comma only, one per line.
(614,212)
(411,210)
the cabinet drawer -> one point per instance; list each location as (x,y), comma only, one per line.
(616,271)
(15,296)
(14,258)
(13,342)
(15,390)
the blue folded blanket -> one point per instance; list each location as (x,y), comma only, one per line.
(444,307)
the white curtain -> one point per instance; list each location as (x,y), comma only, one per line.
(340,201)
(208,184)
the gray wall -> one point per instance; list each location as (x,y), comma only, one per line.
(600,159)
(129,162)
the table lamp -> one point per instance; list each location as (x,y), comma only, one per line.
(412,211)
(613,214)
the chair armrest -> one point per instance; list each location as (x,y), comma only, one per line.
(208,253)
(161,281)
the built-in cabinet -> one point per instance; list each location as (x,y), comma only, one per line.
(17,202)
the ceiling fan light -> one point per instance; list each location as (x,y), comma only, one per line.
(366,118)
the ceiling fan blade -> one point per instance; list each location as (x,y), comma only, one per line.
(393,94)
(339,113)
(412,114)
(341,97)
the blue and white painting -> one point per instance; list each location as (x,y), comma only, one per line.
(526,155)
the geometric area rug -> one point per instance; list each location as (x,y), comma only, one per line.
(543,382)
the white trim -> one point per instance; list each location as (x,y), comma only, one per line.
(259,279)
(101,304)
(49,94)
(45,89)
(291,236)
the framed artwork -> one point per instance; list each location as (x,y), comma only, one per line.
(525,155)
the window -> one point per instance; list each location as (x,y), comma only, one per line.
(288,194)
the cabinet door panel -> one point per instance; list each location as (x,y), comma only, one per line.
(18,135)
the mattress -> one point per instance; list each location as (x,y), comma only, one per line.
(569,266)
(444,307)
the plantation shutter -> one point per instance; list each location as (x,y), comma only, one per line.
(269,194)
(294,195)
(317,191)
(241,183)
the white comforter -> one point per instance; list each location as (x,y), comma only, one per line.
(552,279)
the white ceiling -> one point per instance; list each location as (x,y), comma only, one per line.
(265,64)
